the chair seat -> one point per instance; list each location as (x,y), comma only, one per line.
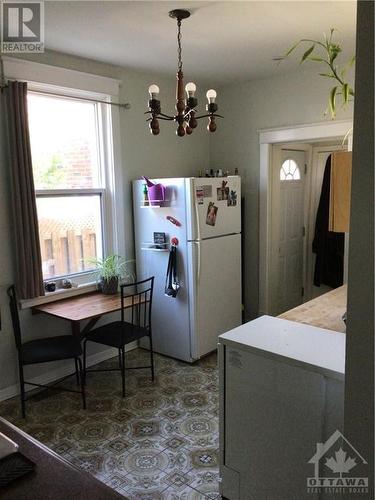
(50,349)
(117,334)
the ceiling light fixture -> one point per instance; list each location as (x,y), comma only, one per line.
(186,108)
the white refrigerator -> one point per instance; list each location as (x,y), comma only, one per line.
(204,214)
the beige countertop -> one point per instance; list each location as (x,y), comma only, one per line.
(325,311)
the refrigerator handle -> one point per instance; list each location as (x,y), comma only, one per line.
(198,276)
(197,220)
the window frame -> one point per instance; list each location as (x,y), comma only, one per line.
(104,131)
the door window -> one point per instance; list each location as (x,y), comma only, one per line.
(289,171)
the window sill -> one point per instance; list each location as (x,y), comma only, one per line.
(58,295)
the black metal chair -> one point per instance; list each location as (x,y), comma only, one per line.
(44,350)
(138,305)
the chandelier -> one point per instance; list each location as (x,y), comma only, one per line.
(185,115)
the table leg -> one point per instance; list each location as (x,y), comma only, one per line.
(76,328)
(91,323)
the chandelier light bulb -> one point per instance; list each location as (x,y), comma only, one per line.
(211,95)
(190,89)
(153,90)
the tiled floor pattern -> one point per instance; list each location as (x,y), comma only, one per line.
(159,442)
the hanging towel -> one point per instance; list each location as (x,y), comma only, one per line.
(327,245)
(171,282)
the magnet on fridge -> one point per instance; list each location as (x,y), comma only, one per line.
(173,220)
(207,191)
(160,240)
(222,192)
(211,214)
(232,199)
(199,195)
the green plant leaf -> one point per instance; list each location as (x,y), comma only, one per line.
(331,34)
(347,66)
(345,93)
(293,47)
(332,101)
(334,51)
(315,59)
(350,62)
(328,75)
(307,53)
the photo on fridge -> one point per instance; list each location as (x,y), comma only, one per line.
(211,214)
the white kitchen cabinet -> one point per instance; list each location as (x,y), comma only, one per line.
(281,392)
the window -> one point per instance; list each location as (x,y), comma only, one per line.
(66,138)
(289,171)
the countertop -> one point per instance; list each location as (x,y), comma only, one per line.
(295,343)
(325,311)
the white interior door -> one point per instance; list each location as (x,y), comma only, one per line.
(288,209)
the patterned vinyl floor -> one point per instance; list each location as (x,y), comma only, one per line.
(159,442)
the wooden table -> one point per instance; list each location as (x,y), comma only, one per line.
(54,478)
(91,306)
(325,311)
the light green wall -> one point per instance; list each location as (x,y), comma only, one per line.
(291,99)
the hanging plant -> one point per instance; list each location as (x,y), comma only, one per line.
(325,53)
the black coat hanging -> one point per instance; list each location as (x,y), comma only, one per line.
(327,245)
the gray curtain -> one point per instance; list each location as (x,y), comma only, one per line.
(29,279)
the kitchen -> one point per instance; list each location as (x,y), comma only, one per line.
(161,440)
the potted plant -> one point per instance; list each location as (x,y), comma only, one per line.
(109,271)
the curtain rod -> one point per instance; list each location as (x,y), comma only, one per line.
(125,105)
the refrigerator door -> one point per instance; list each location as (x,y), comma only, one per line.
(213,206)
(214,290)
(170,316)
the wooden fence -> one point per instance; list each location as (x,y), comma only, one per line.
(66,251)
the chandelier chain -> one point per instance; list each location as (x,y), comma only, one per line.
(179,51)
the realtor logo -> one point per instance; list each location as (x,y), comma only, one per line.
(22,27)
(333,463)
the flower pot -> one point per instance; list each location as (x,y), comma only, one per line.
(109,286)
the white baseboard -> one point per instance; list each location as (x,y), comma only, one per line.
(63,371)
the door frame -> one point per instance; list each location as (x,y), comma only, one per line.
(267,138)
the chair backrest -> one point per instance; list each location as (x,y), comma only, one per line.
(137,299)
(13,305)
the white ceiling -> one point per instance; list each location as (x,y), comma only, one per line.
(222,41)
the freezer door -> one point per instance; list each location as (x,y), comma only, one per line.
(213,206)
(214,290)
